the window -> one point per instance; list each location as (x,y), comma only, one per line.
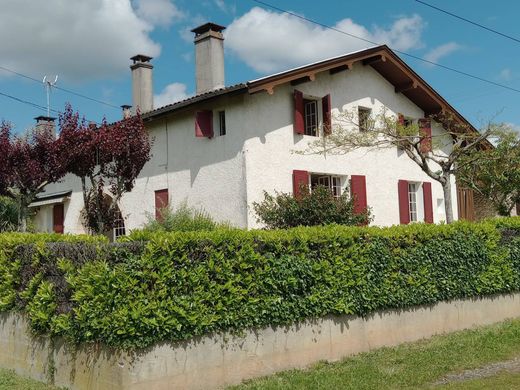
(222,122)
(311,117)
(364,118)
(329,181)
(119,226)
(161,203)
(412,201)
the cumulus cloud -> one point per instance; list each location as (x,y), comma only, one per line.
(170,94)
(505,74)
(80,40)
(441,51)
(158,12)
(268,41)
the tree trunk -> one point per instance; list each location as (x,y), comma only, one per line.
(22,215)
(446,189)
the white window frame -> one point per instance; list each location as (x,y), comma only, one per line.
(310,128)
(333,182)
(415,202)
(119,229)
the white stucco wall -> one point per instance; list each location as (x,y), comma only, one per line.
(270,159)
(226,174)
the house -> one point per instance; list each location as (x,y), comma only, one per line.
(221,149)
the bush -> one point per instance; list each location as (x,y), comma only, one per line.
(186,284)
(8,215)
(311,208)
(182,219)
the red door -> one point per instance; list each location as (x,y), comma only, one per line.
(58,214)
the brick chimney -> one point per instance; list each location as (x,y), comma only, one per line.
(45,123)
(209,57)
(142,86)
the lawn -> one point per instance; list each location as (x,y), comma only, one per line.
(417,365)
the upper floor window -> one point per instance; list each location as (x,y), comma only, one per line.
(311,117)
(364,118)
(222,122)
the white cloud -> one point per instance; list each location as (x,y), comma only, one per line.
(226,8)
(170,94)
(441,51)
(269,41)
(80,40)
(158,12)
(505,74)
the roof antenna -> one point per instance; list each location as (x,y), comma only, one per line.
(48,86)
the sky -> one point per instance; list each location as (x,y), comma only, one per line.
(88,43)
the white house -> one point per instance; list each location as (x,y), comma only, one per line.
(222,148)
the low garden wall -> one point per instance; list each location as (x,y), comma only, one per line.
(206,309)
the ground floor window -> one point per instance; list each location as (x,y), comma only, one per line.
(330,181)
(119,227)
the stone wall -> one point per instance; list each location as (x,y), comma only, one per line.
(224,359)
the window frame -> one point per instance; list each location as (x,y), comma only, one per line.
(415,202)
(364,127)
(333,182)
(308,127)
(222,123)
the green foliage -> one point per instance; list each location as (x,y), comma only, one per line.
(310,208)
(182,219)
(8,214)
(180,285)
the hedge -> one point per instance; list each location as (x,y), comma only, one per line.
(176,286)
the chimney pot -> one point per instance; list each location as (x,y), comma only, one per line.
(45,123)
(126,111)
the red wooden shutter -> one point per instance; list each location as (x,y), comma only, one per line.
(204,124)
(428,202)
(299,112)
(358,190)
(161,202)
(404,207)
(58,216)
(425,130)
(327,114)
(300,178)
(400,119)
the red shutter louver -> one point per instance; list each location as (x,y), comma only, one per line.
(300,178)
(425,130)
(327,114)
(358,190)
(204,124)
(299,112)
(161,202)
(428,202)
(404,208)
(58,216)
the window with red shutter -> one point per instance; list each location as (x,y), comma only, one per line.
(358,190)
(58,216)
(428,202)
(299,113)
(425,131)
(327,114)
(161,203)
(300,178)
(404,206)
(204,124)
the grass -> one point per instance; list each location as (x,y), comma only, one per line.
(9,380)
(412,366)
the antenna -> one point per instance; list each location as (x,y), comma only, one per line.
(48,86)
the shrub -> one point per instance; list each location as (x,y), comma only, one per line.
(8,214)
(186,284)
(310,208)
(182,219)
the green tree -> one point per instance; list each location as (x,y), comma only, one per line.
(310,208)
(495,173)
(8,214)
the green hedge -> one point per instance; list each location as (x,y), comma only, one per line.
(180,285)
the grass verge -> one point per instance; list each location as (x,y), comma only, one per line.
(412,366)
(10,381)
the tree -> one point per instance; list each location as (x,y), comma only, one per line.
(8,214)
(439,156)
(30,162)
(107,158)
(309,208)
(495,173)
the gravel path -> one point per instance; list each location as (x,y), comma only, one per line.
(483,372)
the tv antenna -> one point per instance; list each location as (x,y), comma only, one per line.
(48,86)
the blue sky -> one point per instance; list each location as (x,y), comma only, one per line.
(88,44)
